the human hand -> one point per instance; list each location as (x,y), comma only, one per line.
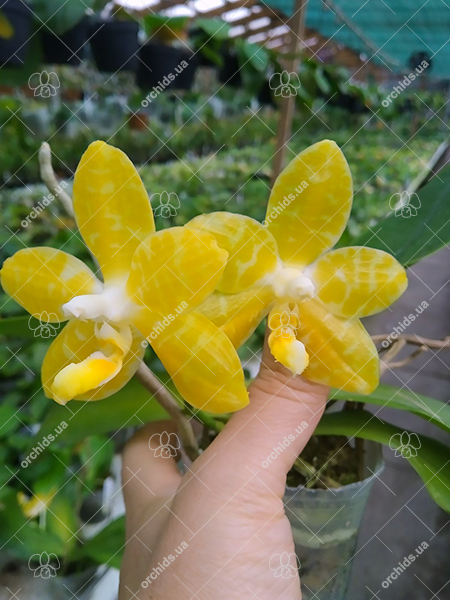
(210,534)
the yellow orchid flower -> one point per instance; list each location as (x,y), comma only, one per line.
(37,504)
(315,295)
(152,284)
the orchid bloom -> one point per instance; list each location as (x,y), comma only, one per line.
(315,295)
(152,284)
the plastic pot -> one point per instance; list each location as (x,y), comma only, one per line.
(13,52)
(325,525)
(115,45)
(164,67)
(68,48)
(266,96)
(38,583)
(229,74)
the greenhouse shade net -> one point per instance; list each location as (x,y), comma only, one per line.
(389,32)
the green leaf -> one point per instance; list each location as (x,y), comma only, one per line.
(106,548)
(322,82)
(152,23)
(8,422)
(132,405)
(20,536)
(96,454)
(432,462)
(411,239)
(60,17)
(216,28)
(435,411)
(24,327)
(252,54)
(61,519)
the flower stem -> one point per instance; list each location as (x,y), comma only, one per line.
(49,178)
(170,404)
(208,421)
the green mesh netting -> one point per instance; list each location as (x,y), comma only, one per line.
(397,29)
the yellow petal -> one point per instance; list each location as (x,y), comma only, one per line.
(76,343)
(287,350)
(341,352)
(202,363)
(310,204)
(175,269)
(358,281)
(252,250)
(43,279)
(112,208)
(238,315)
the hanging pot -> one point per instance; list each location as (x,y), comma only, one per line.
(115,45)
(68,48)
(164,67)
(13,51)
(325,525)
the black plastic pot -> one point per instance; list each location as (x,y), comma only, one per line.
(166,67)
(229,74)
(204,61)
(265,95)
(68,48)
(13,52)
(115,45)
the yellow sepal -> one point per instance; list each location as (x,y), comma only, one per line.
(112,208)
(202,363)
(310,204)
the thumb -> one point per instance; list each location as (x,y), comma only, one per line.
(273,429)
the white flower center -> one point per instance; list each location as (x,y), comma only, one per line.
(292,285)
(112,304)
